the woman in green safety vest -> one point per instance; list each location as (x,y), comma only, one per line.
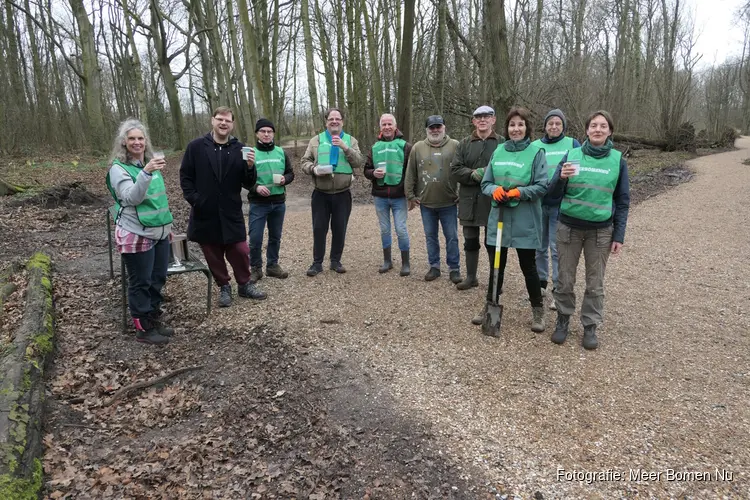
(593,183)
(555,145)
(516,178)
(143,227)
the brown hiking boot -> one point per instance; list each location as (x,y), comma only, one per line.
(256,274)
(275,271)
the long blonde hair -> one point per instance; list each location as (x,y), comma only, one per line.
(119,149)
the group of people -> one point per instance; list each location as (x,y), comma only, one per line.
(555,197)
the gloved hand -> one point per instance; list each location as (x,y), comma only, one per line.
(499,195)
(513,193)
(477,175)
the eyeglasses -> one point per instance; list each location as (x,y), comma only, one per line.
(483,117)
(435,127)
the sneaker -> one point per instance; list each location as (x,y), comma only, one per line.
(256,274)
(225,296)
(455,277)
(314,270)
(275,271)
(250,291)
(432,274)
(338,267)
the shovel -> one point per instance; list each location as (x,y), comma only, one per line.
(494,315)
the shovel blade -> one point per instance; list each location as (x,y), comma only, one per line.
(492,320)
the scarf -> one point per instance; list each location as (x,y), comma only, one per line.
(597,151)
(513,146)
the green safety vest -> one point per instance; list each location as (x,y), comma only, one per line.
(512,169)
(268,163)
(390,155)
(588,195)
(324,154)
(153,211)
(554,152)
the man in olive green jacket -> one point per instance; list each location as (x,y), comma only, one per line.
(472,156)
(430,185)
(331,158)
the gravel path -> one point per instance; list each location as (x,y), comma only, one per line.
(668,388)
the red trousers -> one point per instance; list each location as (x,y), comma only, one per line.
(238,255)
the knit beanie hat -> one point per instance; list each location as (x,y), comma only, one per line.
(558,113)
(264,122)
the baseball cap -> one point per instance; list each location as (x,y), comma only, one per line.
(484,110)
(434,120)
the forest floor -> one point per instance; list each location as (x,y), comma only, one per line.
(364,385)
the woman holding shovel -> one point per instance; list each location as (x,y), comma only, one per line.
(593,183)
(516,179)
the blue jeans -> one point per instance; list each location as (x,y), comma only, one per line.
(383,207)
(260,214)
(448,218)
(147,273)
(549,241)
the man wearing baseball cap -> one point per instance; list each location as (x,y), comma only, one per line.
(472,156)
(430,186)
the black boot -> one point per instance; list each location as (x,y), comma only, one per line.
(589,337)
(562,329)
(405,266)
(146,332)
(472,262)
(155,318)
(387,262)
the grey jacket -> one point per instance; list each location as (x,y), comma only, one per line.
(131,194)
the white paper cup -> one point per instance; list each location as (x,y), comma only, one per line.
(577,165)
(325,169)
(245,152)
(277,179)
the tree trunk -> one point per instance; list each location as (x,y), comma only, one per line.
(403,99)
(309,51)
(502,79)
(92,84)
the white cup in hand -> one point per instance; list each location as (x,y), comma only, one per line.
(277,178)
(158,155)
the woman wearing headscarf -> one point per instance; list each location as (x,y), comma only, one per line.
(555,144)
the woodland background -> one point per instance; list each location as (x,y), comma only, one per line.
(73,69)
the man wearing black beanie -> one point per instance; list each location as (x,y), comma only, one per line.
(268,201)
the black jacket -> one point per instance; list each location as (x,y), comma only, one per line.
(211,177)
(387,191)
(252,194)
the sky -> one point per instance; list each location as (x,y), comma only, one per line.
(719,33)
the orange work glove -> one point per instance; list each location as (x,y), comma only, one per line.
(513,193)
(499,194)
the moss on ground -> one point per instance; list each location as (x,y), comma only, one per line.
(15,488)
